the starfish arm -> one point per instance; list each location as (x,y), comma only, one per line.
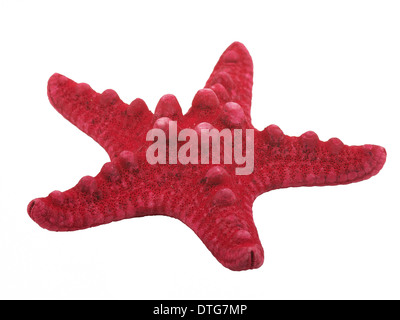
(116,193)
(115,125)
(232,77)
(284,161)
(227,229)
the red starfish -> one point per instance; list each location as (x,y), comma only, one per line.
(211,199)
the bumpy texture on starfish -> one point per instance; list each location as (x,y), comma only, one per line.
(214,202)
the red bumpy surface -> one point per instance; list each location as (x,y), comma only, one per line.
(210,199)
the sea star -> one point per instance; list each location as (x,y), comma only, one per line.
(210,199)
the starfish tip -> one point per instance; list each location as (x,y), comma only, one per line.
(38,212)
(244,257)
(376,155)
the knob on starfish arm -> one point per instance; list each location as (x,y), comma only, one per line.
(211,199)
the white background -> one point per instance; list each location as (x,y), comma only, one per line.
(328,66)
